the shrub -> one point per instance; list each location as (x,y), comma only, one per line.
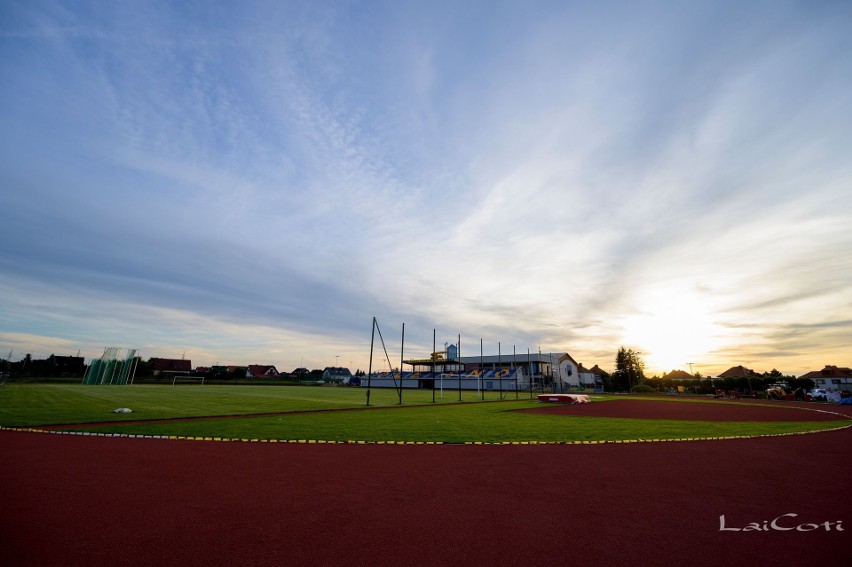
(642,389)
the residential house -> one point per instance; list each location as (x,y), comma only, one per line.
(590,377)
(832,378)
(678,375)
(335,374)
(170,366)
(739,372)
(261,371)
(300,374)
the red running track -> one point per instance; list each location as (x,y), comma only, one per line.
(72,500)
(699,411)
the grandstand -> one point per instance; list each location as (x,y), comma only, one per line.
(445,369)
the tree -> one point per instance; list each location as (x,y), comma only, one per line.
(315,375)
(629,370)
(144,368)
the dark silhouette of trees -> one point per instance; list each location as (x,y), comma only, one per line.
(629,370)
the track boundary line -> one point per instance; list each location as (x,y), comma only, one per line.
(365,442)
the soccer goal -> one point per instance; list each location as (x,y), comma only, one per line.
(187,379)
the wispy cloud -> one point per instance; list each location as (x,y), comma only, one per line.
(675,177)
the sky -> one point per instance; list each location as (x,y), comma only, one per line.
(253,182)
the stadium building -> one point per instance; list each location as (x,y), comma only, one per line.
(445,369)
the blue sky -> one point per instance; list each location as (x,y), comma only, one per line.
(252,182)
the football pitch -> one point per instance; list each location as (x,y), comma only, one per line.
(340,415)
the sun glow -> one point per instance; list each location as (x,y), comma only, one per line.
(672,331)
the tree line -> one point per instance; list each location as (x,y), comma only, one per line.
(629,376)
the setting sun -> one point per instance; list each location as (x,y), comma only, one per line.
(671,332)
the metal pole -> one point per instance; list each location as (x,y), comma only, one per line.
(481,389)
(460,366)
(113,365)
(529,369)
(552,373)
(515,370)
(500,366)
(370,368)
(433,366)
(401,350)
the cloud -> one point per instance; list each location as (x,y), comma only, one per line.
(556,176)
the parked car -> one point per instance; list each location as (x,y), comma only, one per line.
(818,395)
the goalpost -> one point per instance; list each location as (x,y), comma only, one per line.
(187,379)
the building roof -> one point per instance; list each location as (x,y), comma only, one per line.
(678,375)
(68,361)
(567,356)
(738,372)
(829,372)
(171,364)
(336,371)
(507,358)
(261,370)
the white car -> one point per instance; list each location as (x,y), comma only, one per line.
(818,395)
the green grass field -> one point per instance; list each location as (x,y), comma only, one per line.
(420,420)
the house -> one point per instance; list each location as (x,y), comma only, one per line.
(300,374)
(591,377)
(738,372)
(170,366)
(261,371)
(335,374)
(831,378)
(678,375)
(598,371)
(219,371)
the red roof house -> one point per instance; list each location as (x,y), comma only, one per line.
(261,371)
(170,366)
